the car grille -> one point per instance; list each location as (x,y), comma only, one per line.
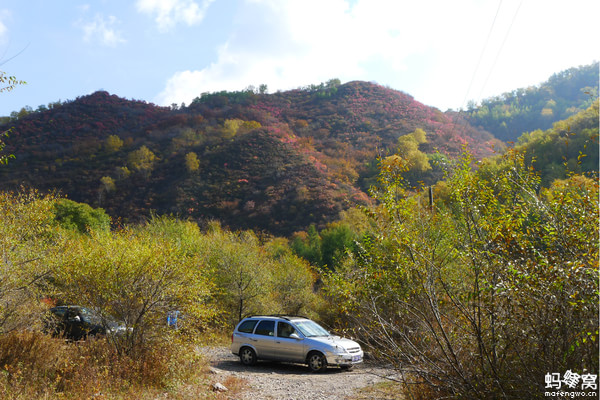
(353,349)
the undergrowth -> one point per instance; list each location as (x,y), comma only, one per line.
(36,366)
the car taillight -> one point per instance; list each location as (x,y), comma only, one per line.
(232,338)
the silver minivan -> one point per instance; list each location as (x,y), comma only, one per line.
(292,339)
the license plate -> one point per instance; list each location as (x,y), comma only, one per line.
(356,358)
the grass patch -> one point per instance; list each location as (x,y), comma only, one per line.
(380,391)
(34,365)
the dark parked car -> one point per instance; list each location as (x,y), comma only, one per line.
(76,323)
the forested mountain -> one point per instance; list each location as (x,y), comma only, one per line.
(537,107)
(272,162)
(505,249)
(275,162)
(570,146)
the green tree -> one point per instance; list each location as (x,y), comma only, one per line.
(231,127)
(136,276)
(191,162)
(242,273)
(248,126)
(408,150)
(113,143)
(29,249)
(252,278)
(80,217)
(292,286)
(3,157)
(481,296)
(187,137)
(142,160)
(123,172)
(571,146)
(336,240)
(308,245)
(107,185)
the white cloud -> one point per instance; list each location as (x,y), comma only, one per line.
(287,44)
(4,14)
(3,31)
(102,30)
(290,43)
(168,13)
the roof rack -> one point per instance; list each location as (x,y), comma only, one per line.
(283,316)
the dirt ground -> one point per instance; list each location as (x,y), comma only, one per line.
(283,381)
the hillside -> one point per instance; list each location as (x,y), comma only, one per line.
(274,162)
(362,115)
(570,146)
(537,107)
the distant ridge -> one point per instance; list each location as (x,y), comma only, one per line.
(272,162)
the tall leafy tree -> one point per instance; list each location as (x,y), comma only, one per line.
(191,161)
(142,160)
(138,275)
(113,143)
(571,146)
(479,297)
(30,246)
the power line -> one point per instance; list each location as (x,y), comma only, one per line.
(481,55)
(464,121)
(500,49)
(2,62)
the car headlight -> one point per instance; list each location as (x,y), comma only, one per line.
(339,350)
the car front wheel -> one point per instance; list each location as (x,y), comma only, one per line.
(317,362)
(247,356)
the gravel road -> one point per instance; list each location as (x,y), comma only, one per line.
(283,381)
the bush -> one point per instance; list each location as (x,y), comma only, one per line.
(485,295)
(80,217)
(38,366)
(253,278)
(137,277)
(29,249)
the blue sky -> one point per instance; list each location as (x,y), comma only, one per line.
(444,53)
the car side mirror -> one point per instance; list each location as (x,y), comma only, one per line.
(295,336)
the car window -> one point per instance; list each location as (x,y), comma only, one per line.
(311,329)
(284,329)
(72,314)
(59,312)
(266,328)
(247,326)
(88,316)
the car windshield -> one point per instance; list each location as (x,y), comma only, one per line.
(311,329)
(89,316)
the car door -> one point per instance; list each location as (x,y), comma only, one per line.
(290,343)
(264,339)
(74,326)
(243,335)
(55,324)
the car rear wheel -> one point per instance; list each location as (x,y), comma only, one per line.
(247,356)
(317,362)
